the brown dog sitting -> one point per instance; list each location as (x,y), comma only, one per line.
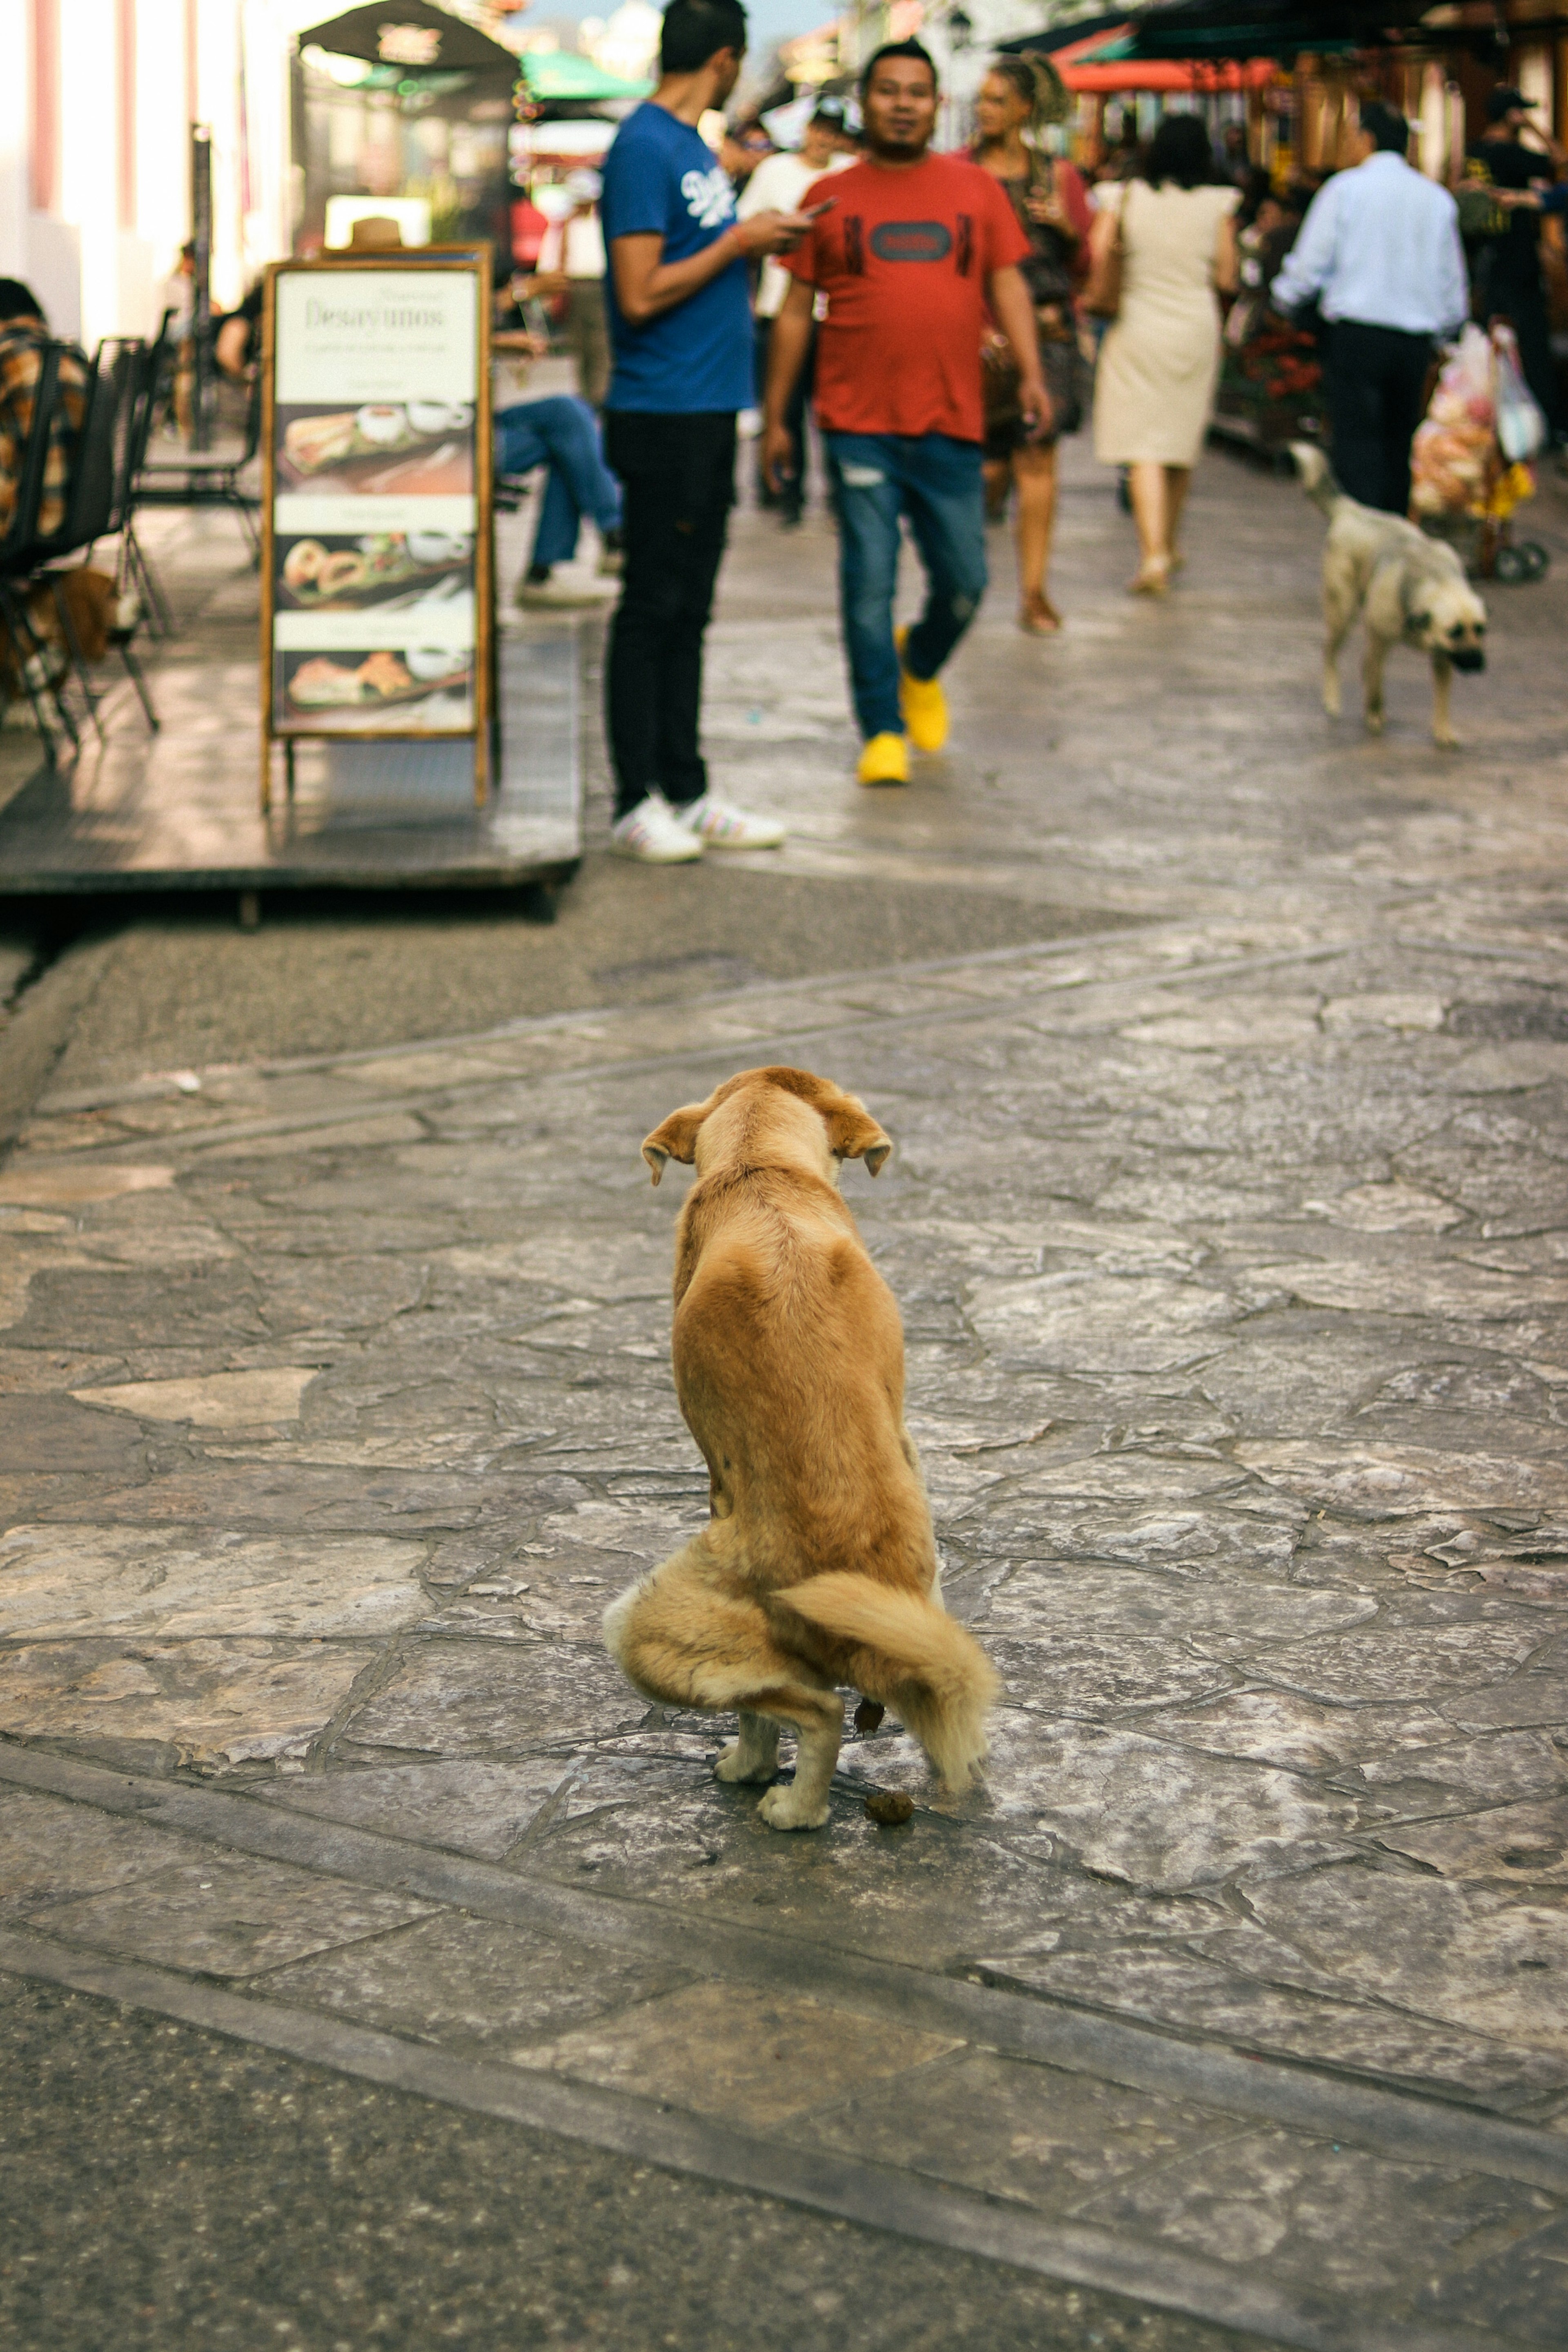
(818,1566)
(96,611)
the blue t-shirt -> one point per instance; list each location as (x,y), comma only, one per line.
(661,179)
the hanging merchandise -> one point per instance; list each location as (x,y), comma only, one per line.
(1521,426)
(1454,453)
(1467,469)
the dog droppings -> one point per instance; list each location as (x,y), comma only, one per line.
(867,1716)
(889,1808)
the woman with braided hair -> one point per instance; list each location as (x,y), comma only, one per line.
(1052,208)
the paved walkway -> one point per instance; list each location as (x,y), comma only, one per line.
(1230,1239)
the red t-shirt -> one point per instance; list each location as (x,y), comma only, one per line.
(903,259)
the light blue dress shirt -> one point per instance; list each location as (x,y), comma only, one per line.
(1380,245)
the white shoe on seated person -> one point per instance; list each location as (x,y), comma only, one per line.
(719,824)
(654,833)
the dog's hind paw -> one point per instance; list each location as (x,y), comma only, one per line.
(1446,739)
(1373,722)
(783,1809)
(738,1761)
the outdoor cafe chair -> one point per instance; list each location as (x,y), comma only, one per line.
(94,503)
(135,570)
(195,479)
(18,558)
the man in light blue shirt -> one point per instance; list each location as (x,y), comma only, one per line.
(1380,248)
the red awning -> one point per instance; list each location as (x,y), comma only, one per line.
(1163,74)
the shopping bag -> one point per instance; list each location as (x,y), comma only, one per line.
(1452,459)
(1521,426)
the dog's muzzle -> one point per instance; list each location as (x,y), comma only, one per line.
(1469,657)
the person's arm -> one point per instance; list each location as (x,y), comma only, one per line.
(1226,270)
(1452,292)
(232,348)
(647,285)
(1015,314)
(1310,264)
(788,342)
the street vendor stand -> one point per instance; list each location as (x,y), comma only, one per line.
(377,563)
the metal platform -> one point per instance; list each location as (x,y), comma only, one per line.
(179,811)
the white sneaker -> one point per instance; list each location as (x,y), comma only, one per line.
(653,833)
(561,595)
(718,824)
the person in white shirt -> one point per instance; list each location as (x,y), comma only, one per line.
(572,262)
(778,184)
(1380,249)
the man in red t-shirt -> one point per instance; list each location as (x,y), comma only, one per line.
(910,249)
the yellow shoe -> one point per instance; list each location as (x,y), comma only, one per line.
(884,761)
(924,704)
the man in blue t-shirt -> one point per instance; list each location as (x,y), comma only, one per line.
(680,336)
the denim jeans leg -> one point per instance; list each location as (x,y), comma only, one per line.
(564,433)
(944,499)
(867,494)
(560,518)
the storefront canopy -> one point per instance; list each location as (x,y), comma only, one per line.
(560,77)
(1201,75)
(1181,30)
(412,34)
(1105,61)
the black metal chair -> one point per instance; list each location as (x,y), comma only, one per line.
(135,570)
(94,502)
(18,557)
(195,480)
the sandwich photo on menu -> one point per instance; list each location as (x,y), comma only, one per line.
(328,693)
(339,574)
(381,450)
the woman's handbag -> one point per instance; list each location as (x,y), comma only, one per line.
(1101,298)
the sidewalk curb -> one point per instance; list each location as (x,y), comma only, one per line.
(38,1032)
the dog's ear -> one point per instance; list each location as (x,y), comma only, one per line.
(853,1134)
(674,1137)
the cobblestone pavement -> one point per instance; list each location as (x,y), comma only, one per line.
(1232,1246)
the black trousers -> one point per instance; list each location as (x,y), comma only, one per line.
(1375,378)
(679,473)
(792,498)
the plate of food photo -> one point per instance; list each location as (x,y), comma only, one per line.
(382,447)
(335,575)
(350,689)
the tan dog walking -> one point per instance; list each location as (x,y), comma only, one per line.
(818,1567)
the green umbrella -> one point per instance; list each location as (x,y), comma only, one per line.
(554,75)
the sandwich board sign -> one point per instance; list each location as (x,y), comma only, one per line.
(377,587)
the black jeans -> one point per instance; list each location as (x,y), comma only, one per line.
(679,478)
(791,496)
(1375,378)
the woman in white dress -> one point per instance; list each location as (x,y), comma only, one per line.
(1160,362)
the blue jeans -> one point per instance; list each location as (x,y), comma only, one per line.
(935,481)
(562,434)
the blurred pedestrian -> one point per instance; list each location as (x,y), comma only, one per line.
(1380,252)
(572,269)
(909,248)
(1175,240)
(1051,206)
(1507,267)
(681,332)
(778,184)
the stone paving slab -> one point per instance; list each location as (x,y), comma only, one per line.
(1233,1711)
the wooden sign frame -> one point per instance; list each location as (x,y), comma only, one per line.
(474,260)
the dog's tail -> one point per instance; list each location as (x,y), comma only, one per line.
(1316,475)
(912,1657)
